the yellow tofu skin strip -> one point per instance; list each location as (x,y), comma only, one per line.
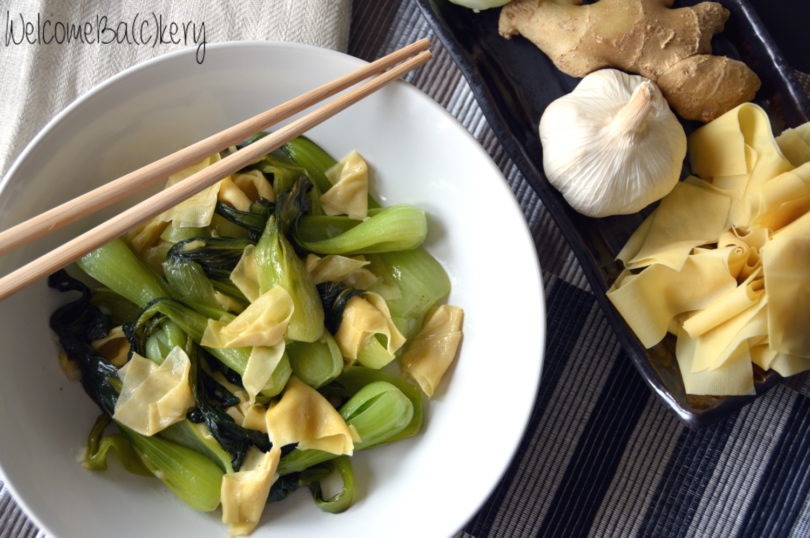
(304,416)
(244,492)
(750,208)
(690,216)
(786,263)
(263,323)
(336,268)
(364,316)
(198,210)
(649,300)
(349,192)
(153,397)
(434,347)
(245,275)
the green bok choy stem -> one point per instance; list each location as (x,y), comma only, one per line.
(398,227)
(354,378)
(99,445)
(193,477)
(117,267)
(316,363)
(319,227)
(117,307)
(343,499)
(168,336)
(198,437)
(189,282)
(421,282)
(378,411)
(174,233)
(312,158)
(278,264)
(373,354)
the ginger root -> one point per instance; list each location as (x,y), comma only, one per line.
(669,46)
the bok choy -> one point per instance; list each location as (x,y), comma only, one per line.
(215,339)
(192,476)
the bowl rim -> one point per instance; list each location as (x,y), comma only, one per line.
(539,346)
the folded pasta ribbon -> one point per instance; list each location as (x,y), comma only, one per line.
(754,307)
(262,327)
(244,493)
(262,323)
(154,396)
(304,416)
(336,268)
(431,352)
(366,315)
(349,192)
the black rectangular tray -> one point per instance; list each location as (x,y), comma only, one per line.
(514,81)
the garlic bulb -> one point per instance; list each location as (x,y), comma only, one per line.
(612,146)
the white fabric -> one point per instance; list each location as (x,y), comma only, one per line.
(39,80)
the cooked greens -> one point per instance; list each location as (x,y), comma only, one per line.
(211,399)
(167,293)
(399,227)
(253,220)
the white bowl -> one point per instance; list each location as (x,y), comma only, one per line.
(429,485)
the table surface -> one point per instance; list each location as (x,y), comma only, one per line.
(601,456)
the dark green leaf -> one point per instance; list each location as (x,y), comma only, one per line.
(211,399)
(251,139)
(217,255)
(334,296)
(76,324)
(287,484)
(253,220)
(291,204)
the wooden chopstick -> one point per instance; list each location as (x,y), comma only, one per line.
(145,176)
(167,198)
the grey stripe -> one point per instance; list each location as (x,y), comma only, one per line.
(433,78)
(13,522)
(738,472)
(555,255)
(552,443)
(639,472)
(801,529)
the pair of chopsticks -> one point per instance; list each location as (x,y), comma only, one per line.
(387,70)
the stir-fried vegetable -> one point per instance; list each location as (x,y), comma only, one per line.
(117,267)
(279,265)
(215,336)
(192,476)
(399,227)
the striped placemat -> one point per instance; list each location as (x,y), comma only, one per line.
(601,455)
